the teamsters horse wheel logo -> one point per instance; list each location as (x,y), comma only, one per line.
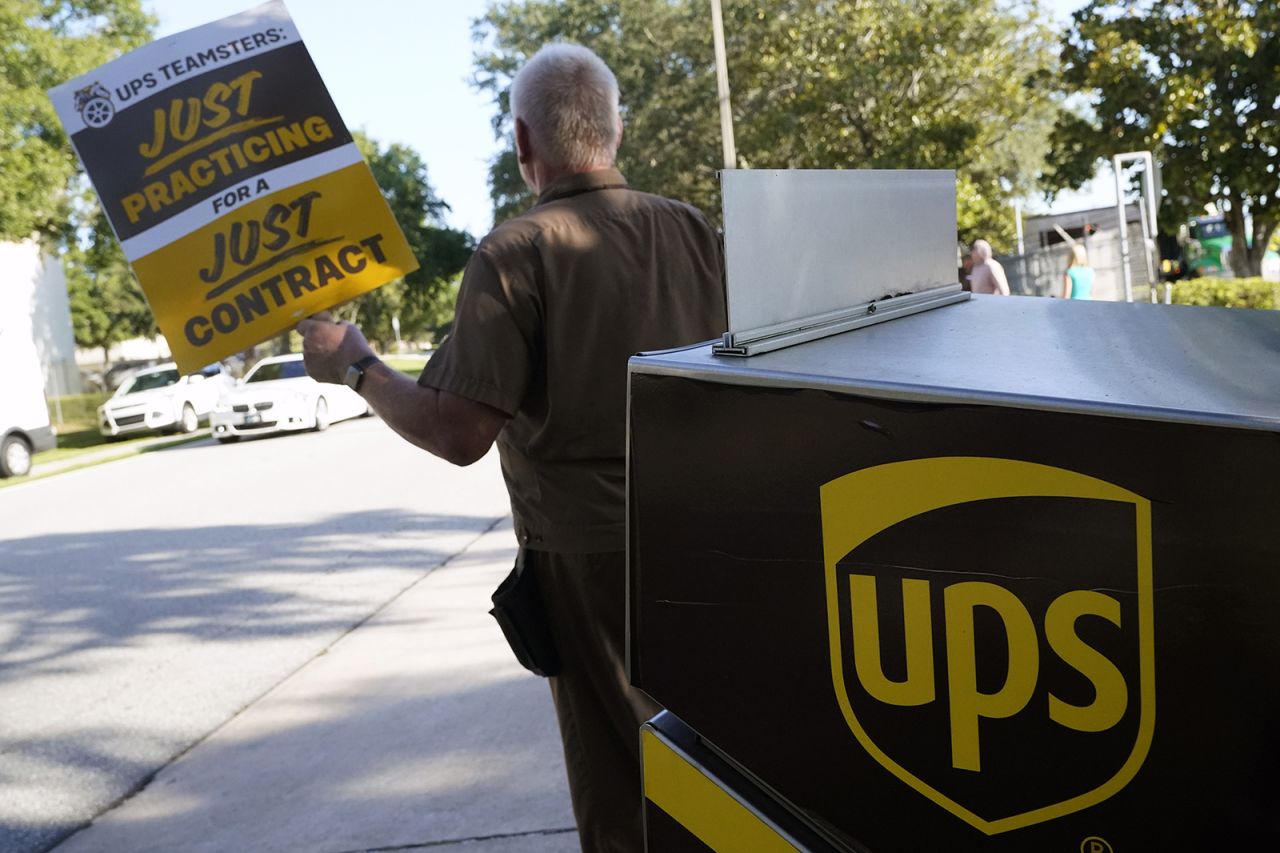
(94,105)
(991,632)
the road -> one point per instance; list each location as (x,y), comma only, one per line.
(146,602)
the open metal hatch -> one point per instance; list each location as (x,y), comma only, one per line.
(811,253)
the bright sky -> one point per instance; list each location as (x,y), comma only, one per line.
(401,70)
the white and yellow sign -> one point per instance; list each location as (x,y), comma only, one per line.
(235,189)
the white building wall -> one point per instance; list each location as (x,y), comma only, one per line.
(51,325)
(34,311)
(134,349)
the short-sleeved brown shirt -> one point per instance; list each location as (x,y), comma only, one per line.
(551,306)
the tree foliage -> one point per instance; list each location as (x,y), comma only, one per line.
(107,306)
(44,43)
(1197,82)
(928,84)
(423,300)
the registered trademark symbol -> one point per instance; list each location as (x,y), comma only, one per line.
(1094,844)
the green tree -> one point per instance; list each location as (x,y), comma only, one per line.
(1197,82)
(107,306)
(422,300)
(949,84)
(44,43)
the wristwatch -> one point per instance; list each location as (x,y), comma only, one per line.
(355,372)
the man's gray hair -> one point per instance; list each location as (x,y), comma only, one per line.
(568,98)
(982,249)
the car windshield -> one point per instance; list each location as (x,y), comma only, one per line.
(277,370)
(148,381)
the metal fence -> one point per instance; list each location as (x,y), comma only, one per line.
(1039,271)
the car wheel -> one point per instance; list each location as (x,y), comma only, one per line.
(190,421)
(322,415)
(15,456)
(228,439)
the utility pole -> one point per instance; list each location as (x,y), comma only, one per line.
(722,87)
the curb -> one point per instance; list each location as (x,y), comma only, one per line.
(41,471)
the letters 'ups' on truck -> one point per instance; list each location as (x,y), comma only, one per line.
(236,191)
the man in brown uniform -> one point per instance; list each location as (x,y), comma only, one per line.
(551,306)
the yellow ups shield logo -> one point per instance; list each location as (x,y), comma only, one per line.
(991,632)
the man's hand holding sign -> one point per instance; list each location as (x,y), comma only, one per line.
(235,189)
(451,427)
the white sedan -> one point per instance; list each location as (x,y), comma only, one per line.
(278,395)
(160,398)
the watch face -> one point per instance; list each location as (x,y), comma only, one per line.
(352,379)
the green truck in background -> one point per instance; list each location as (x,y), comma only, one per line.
(1206,247)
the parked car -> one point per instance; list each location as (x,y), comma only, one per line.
(161,399)
(118,373)
(277,395)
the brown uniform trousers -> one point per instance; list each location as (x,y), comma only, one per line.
(600,713)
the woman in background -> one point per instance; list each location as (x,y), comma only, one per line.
(1077,282)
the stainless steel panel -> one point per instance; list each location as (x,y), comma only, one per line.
(800,243)
(867,314)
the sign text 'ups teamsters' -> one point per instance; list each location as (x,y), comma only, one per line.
(236,191)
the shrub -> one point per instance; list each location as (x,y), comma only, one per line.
(1227,292)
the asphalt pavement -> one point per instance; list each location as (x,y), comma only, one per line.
(415,731)
(278,645)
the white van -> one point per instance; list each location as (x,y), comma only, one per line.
(28,281)
(24,419)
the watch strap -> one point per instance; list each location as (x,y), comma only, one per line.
(359,369)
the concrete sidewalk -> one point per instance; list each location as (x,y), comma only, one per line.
(415,731)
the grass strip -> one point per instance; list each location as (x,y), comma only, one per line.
(126,451)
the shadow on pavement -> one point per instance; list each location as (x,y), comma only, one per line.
(116,587)
(116,649)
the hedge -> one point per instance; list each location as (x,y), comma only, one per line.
(78,410)
(1227,292)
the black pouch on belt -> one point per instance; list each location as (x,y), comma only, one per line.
(518,607)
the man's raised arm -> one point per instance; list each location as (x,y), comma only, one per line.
(454,428)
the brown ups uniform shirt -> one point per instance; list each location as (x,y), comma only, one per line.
(551,306)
